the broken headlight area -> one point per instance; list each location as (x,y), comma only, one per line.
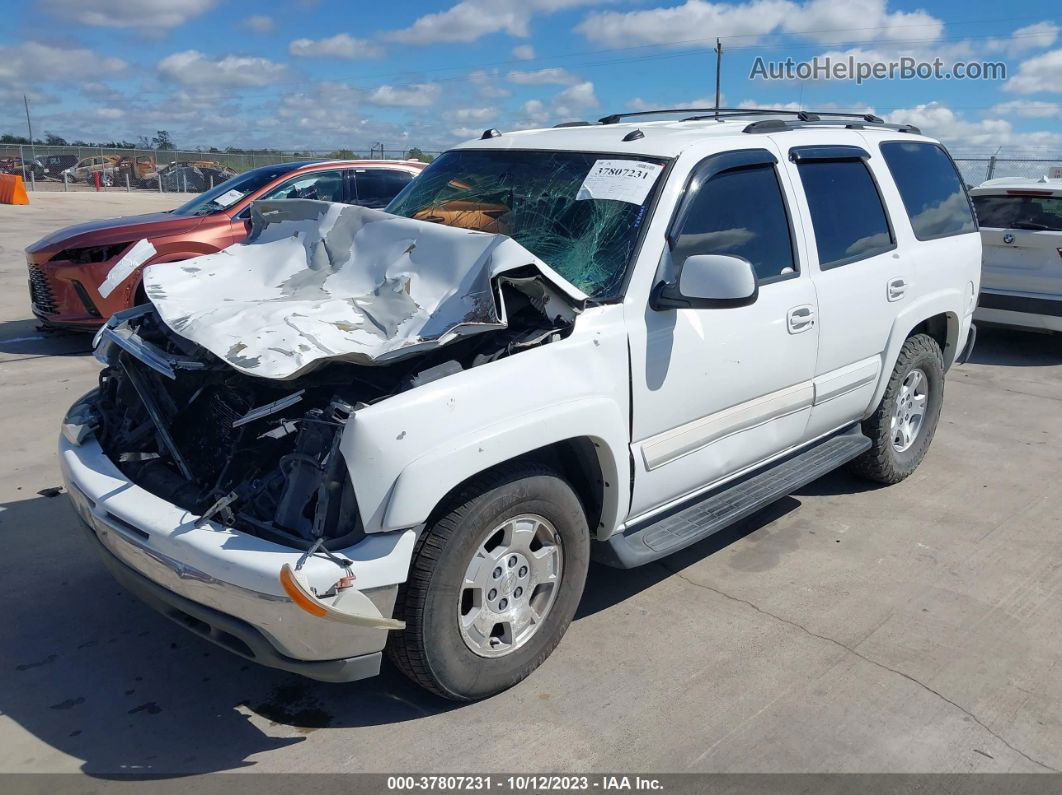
(262,455)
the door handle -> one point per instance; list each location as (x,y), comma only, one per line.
(800,318)
(897,288)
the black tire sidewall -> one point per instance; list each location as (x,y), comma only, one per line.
(456,668)
(928,361)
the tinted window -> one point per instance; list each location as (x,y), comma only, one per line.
(377,186)
(846,211)
(1020,212)
(931,188)
(325,186)
(739,212)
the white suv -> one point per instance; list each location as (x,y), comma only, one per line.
(411,430)
(1021,230)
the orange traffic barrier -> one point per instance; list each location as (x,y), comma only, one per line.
(12,191)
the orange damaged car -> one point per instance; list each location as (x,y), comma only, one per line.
(81,275)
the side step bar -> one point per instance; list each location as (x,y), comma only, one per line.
(717,510)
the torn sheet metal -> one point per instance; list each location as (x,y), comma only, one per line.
(319,281)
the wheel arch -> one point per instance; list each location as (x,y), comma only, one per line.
(935,317)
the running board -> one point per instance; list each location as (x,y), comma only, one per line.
(717,510)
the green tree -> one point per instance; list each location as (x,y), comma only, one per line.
(416,154)
(162,140)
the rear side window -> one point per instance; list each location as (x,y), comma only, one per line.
(742,213)
(377,186)
(931,189)
(846,211)
(1018,211)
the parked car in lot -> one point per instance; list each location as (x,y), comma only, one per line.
(79,276)
(1021,230)
(86,169)
(27,169)
(54,165)
(411,430)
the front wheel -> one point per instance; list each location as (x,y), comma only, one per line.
(494,584)
(904,423)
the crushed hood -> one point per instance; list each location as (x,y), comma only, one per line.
(320,281)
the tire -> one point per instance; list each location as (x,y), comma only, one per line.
(887,461)
(433,650)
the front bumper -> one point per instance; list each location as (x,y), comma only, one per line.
(224,584)
(66,295)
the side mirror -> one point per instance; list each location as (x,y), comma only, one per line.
(708,281)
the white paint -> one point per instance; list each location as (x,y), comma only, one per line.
(320,281)
(620,180)
(133,259)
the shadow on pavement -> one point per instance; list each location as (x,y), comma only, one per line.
(88,670)
(24,338)
(1014,348)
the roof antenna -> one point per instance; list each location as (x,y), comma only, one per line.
(633,135)
(491,133)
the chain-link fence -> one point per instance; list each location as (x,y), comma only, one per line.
(976,170)
(88,168)
(74,168)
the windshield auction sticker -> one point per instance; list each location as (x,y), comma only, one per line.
(621,180)
(227,198)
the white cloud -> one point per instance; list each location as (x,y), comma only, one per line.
(192,67)
(342,45)
(31,63)
(418,95)
(698,20)
(1028,109)
(1030,37)
(1042,73)
(469,20)
(829,22)
(145,15)
(579,95)
(487,83)
(553,75)
(974,137)
(109,113)
(524,52)
(465,133)
(258,23)
(638,103)
(466,115)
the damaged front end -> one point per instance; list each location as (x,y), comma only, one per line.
(250,438)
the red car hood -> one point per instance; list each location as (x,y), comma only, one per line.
(116,230)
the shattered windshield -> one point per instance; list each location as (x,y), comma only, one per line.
(231,191)
(578,212)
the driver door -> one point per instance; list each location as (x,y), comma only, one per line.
(717,390)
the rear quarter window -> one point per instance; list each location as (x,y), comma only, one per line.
(932,191)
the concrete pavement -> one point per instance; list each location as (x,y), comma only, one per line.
(847,628)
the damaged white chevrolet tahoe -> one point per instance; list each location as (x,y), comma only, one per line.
(411,430)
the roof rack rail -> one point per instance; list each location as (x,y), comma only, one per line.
(720,113)
(781,125)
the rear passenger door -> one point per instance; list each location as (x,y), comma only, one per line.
(861,279)
(375,187)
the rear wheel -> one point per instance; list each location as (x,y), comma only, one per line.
(494,584)
(903,425)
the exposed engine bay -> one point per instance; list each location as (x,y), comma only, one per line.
(261,454)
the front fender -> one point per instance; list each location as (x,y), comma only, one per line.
(405,453)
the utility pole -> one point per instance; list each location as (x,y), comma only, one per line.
(29,125)
(718,69)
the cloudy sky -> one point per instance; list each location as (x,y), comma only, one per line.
(320,74)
